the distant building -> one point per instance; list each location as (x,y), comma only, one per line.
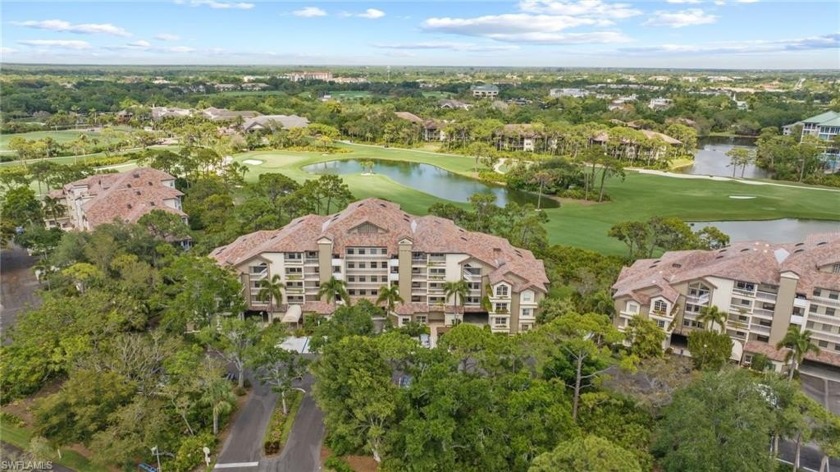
(255,86)
(763,288)
(568,92)
(274,122)
(372,244)
(222,114)
(326,76)
(826,127)
(225,87)
(126,196)
(429,130)
(160,113)
(485,91)
(660,103)
(449,104)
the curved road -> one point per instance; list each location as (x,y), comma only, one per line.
(243,449)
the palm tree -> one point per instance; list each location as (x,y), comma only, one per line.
(799,344)
(271,290)
(334,289)
(711,315)
(458,289)
(220,397)
(541,178)
(390,296)
(54,208)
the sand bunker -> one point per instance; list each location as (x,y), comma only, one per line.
(741,197)
(252,162)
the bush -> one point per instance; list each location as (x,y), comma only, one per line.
(492,176)
(11,419)
(239,392)
(337,464)
(190,455)
(279,425)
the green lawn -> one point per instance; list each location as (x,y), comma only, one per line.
(20,437)
(351,94)
(640,196)
(62,136)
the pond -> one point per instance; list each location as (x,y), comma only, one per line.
(787,230)
(432,180)
(711,158)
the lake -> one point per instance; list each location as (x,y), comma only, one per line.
(787,230)
(432,180)
(711,158)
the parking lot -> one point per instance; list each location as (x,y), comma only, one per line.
(822,383)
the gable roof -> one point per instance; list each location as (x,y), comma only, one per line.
(266,121)
(430,234)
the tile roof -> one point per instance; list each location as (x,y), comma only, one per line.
(824,357)
(749,261)
(429,234)
(285,121)
(126,196)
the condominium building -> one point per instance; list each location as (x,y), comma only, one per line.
(373,243)
(485,91)
(762,287)
(126,196)
(826,127)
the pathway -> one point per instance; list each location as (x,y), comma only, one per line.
(724,179)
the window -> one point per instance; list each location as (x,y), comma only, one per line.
(526,326)
(745,286)
(294,270)
(361,251)
(259,269)
(833,295)
(528,296)
(351,265)
(404,320)
(501,308)
(835,269)
(362,292)
(383,264)
(416,299)
(812,308)
(293,256)
(823,343)
(350,250)
(660,306)
(351,291)
(830,311)
(763,339)
(351,278)
(362,265)
(374,292)
(527,312)
(474,285)
(421,319)
(661,323)
(837,347)
(363,279)
(500,322)
(502,291)
(473,301)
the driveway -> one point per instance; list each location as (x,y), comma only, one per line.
(242,451)
(12,453)
(17,285)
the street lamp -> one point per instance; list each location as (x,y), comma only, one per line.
(206,451)
(156,453)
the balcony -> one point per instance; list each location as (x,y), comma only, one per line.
(437,277)
(760,329)
(295,276)
(258,275)
(800,302)
(393,276)
(763,313)
(628,314)
(766,296)
(297,261)
(833,320)
(825,301)
(744,292)
(698,300)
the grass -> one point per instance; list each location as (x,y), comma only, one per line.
(20,437)
(61,137)
(639,197)
(280,426)
(351,94)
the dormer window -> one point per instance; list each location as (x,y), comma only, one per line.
(502,291)
(659,306)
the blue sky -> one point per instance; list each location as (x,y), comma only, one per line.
(763,34)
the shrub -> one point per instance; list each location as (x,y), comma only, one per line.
(190,455)
(491,176)
(337,464)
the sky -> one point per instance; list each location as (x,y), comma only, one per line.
(721,34)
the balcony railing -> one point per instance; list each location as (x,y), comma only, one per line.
(743,291)
(760,329)
(697,300)
(763,312)
(766,295)
(833,320)
(826,301)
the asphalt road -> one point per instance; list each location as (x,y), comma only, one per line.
(9,452)
(17,285)
(242,451)
(809,457)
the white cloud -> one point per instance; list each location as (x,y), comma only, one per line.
(56,43)
(67,27)
(7,50)
(720,3)
(542,22)
(444,45)
(583,8)
(179,49)
(167,37)
(372,14)
(746,1)
(139,44)
(684,1)
(309,12)
(828,41)
(218,5)
(680,19)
